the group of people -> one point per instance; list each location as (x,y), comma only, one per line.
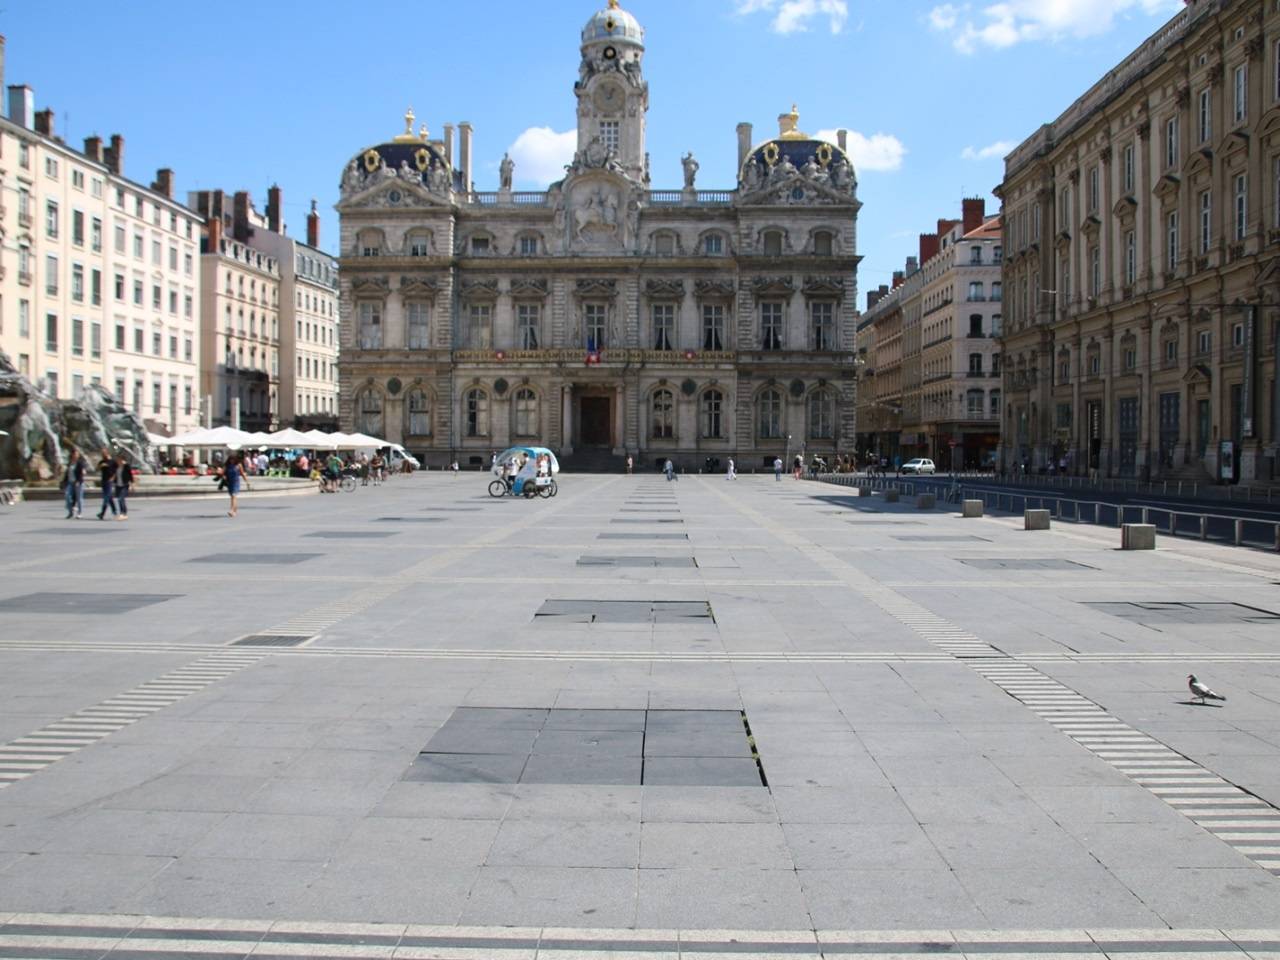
(521,465)
(116,476)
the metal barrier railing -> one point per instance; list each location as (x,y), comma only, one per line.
(1240,531)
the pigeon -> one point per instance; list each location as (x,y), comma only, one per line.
(1202,692)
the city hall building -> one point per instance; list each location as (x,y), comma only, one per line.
(601,318)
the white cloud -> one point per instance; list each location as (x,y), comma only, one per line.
(1003,24)
(540,155)
(793,16)
(998,150)
(880,152)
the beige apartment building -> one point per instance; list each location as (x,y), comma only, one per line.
(239,315)
(98,283)
(1142,229)
(934,363)
(270,319)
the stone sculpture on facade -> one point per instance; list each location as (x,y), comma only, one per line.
(505,171)
(690,169)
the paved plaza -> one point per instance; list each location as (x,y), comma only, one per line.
(641,719)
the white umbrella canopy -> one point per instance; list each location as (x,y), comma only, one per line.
(361,441)
(156,440)
(216,437)
(287,438)
(320,440)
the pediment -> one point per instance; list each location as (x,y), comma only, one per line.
(592,287)
(1166,187)
(824,286)
(773,286)
(1197,374)
(797,190)
(392,192)
(524,287)
(713,288)
(664,288)
(1124,207)
(480,289)
(370,286)
(420,287)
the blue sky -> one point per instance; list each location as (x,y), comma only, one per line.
(239,95)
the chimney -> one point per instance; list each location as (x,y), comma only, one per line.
(274,203)
(464,153)
(898,279)
(929,246)
(744,143)
(93,148)
(240,217)
(22,105)
(448,143)
(974,213)
(44,122)
(164,182)
(115,155)
(313,226)
(842,140)
(214,227)
(913,266)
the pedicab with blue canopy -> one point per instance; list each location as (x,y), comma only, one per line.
(529,481)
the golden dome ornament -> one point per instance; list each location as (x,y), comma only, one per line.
(372,160)
(422,159)
(771,153)
(824,155)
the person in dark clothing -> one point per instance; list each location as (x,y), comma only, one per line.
(107,476)
(124,480)
(73,483)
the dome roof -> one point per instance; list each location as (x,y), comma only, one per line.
(613,23)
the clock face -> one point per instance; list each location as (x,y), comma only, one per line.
(609,98)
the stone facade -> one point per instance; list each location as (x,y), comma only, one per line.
(98,283)
(1141,236)
(601,315)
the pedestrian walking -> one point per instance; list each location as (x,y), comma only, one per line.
(235,476)
(630,465)
(733,470)
(73,482)
(669,469)
(777,469)
(455,468)
(124,481)
(798,465)
(107,479)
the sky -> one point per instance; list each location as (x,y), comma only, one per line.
(241,95)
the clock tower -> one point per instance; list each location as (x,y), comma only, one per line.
(613,96)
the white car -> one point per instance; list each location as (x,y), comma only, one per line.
(919,465)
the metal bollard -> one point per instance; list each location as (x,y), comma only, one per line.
(1239,532)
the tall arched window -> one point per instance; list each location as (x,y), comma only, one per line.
(713,415)
(526,413)
(822,243)
(369,413)
(417,408)
(821,415)
(476,413)
(663,418)
(770,415)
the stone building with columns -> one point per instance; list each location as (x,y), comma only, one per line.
(1141,233)
(601,317)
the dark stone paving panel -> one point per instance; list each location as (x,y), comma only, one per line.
(350,534)
(263,558)
(995,563)
(78,528)
(642,536)
(644,520)
(409,520)
(1152,613)
(924,538)
(624,611)
(613,747)
(83,603)
(590,560)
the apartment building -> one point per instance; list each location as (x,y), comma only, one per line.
(1142,228)
(936,363)
(98,283)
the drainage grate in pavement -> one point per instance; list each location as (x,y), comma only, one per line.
(590,560)
(350,534)
(645,520)
(995,563)
(926,538)
(273,640)
(263,558)
(409,520)
(642,536)
(624,611)
(708,748)
(1153,613)
(84,603)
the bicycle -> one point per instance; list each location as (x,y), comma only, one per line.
(346,483)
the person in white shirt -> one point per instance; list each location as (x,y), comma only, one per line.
(733,470)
